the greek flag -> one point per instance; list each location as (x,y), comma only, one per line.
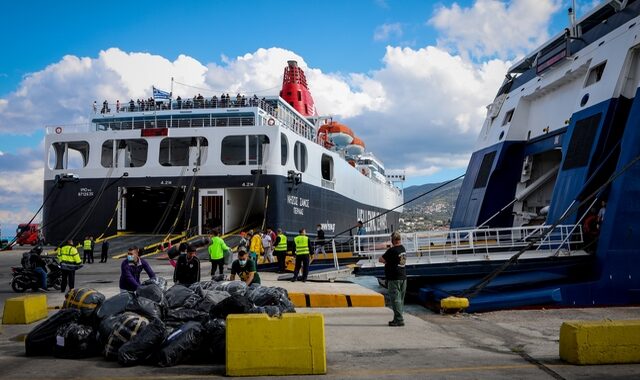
(159,94)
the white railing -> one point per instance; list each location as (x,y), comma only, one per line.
(480,242)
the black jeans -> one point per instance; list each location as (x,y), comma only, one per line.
(281,256)
(70,276)
(217,263)
(88,256)
(103,255)
(301,260)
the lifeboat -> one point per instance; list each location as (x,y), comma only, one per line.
(339,134)
(356,147)
(323,136)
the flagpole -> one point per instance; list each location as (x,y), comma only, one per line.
(171,95)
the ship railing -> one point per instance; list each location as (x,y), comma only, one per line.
(107,108)
(481,243)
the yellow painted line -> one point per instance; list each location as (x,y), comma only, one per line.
(336,300)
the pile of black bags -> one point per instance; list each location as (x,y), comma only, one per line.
(153,325)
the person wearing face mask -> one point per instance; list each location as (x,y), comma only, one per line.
(130,270)
(245,268)
(187,268)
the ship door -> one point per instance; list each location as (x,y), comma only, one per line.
(210,215)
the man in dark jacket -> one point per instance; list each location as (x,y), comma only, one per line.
(130,270)
(187,268)
(104,252)
(394,260)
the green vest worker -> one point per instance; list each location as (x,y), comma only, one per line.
(216,253)
(87,250)
(69,261)
(302,255)
(280,250)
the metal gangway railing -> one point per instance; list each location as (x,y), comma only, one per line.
(480,244)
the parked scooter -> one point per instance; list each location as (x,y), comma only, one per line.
(25,277)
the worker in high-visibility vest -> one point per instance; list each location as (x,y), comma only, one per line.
(302,255)
(70,261)
(280,250)
(87,250)
(217,250)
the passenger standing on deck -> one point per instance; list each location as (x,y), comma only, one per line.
(70,261)
(130,270)
(361,232)
(280,248)
(267,245)
(187,268)
(217,250)
(394,260)
(255,247)
(302,256)
(245,268)
(104,251)
(320,242)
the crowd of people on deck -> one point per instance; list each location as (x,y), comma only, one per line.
(198,101)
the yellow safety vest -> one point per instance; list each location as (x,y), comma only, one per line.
(87,244)
(69,254)
(302,244)
(282,245)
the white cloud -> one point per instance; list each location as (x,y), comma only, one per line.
(386,31)
(492,28)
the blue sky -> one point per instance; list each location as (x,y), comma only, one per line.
(378,65)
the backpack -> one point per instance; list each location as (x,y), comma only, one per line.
(26,261)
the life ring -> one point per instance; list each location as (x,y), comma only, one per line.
(271,122)
(58,130)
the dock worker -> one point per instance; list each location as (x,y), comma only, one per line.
(70,261)
(245,268)
(187,268)
(87,250)
(394,260)
(255,246)
(319,246)
(217,250)
(104,252)
(280,249)
(131,268)
(302,255)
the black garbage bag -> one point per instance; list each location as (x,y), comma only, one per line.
(153,292)
(146,307)
(232,305)
(84,299)
(232,287)
(42,339)
(75,341)
(181,345)
(143,344)
(271,310)
(160,281)
(128,325)
(177,317)
(192,301)
(114,305)
(176,295)
(271,296)
(211,298)
(213,349)
(106,327)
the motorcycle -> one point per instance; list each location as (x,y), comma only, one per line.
(26,278)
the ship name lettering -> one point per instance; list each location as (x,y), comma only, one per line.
(298,211)
(167,182)
(85,192)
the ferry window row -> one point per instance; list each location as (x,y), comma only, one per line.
(177,121)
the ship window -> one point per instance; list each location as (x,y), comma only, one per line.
(485,170)
(131,153)
(234,149)
(299,96)
(68,155)
(508,116)
(257,146)
(183,151)
(326,166)
(300,156)
(284,149)
(595,74)
(581,142)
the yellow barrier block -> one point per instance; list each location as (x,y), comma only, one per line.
(600,342)
(454,303)
(327,300)
(258,345)
(367,300)
(298,299)
(25,309)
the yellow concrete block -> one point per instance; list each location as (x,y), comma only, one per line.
(367,300)
(258,345)
(600,342)
(298,299)
(454,303)
(327,300)
(25,309)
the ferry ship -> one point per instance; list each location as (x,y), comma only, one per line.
(560,144)
(229,163)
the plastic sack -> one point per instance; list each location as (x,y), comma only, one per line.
(177,317)
(114,305)
(84,299)
(42,339)
(160,281)
(231,305)
(106,326)
(75,341)
(151,291)
(145,307)
(237,288)
(211,298)
(270,310)
(177,295)
(181,345)
(143,344)
(213,348)
(270,296)
(127,326)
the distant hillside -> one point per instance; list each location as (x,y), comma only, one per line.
(433,210)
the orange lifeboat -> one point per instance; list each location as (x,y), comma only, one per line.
(323,136)
(339,134)
(356,147)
